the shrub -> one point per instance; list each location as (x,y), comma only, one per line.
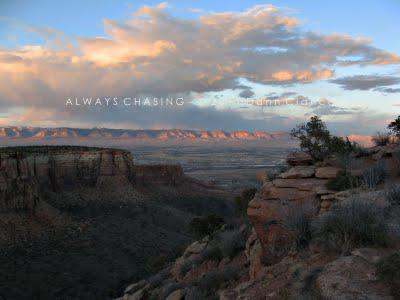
(202,226)
(342,181)
(297,219)
(243,200)
(316,139)
(392,194)
(389,272)
(382,139)
(211,253)
(394,127)
(349,224)
(232,242)
(212,280)
(374,175)
(340,146)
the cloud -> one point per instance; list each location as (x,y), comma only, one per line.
(246,93)
(368,82)
(333,110)
(156,53)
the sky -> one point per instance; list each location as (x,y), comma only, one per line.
(233,65)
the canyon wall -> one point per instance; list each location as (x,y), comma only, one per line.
(25,171)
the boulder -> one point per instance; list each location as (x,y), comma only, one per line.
(326,172)
(369,254)
(299,172)
(309,184)
(325,204)
(138,295)
(290,194)
(196,247)
(176,295)
(253,253)
(328,197)
(299,159)
(134,287)
(266,211)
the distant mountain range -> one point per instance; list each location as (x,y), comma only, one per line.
(145,134)
(18,133)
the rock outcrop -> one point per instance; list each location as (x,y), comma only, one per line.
(297,186)
(25,171)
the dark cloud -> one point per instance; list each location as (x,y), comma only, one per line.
(388,90)
(368,82)
(332,110)
(247,93)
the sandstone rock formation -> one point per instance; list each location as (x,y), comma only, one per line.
(25,171)
(299,159)
(266,211)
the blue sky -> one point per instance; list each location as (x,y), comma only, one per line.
(83,26)
(376,19)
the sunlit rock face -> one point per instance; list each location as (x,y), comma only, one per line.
(20,133)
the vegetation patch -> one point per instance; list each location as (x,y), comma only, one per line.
(350,224)
(343,181)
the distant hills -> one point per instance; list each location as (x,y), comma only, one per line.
(18,133)
(143,134)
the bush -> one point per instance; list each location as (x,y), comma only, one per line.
(389,272)
(232,242)
(350,224)
(343,181)
(297,219)
(202,226)
(382,139)
(392,194)
(212,280)
(340,146)
(243,200)
(374,175)
(316,139)
(211,253)
(394,127)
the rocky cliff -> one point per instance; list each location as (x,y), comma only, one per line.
(25,171)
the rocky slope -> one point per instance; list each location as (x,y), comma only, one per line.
(79,222)
(260,260)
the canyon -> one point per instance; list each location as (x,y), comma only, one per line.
(78,222)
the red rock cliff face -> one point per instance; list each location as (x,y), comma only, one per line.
(22,174)
(67,168)
(26,171)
